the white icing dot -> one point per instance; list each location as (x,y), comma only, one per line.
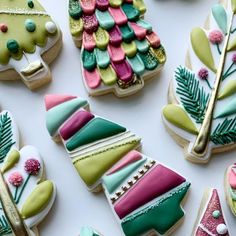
(51,27)
(221,229)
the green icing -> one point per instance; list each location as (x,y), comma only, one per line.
(127,33)
(149,60)
(130,11)
(30,25)
(37,200)
(105,19)
(228,90)
(202,49)
(76,27)
(227,110)
(56,116)
(75,9)
(178,117)
(108,75)
(92,167)
(144,24)
(232,45)
(137,64)
(10,161)
(113,181)
(102,58)
(115,3)
(30,3)
(101,38)
(129,48)
(140,5)
(160,216)
(232,194)
(220,16)
(93,131)
(89,60)
(142,46)
(13,46)
(233,4)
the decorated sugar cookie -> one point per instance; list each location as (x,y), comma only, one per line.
(144,195)
(210,217)
(119,49)
(29,41)
(201,114)
(26,196)
(88,231)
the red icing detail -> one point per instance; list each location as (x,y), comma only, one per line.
(208,221)
(129,158)
(232,178)
(153,39)
(88,41)
(129,1)
(102,5)
(92,78)
(118,15)
(3,27)
(90,23)
(116,53)
(123,70)
(155,183)
(88,6)
(115,36)
(53,100)
(139,31)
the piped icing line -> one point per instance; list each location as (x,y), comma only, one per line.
(19,11)
(106,157)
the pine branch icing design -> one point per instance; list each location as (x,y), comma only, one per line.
(203,92)
(119,49)
(24,189)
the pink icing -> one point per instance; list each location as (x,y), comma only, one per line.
(90,23)
(75,123)
(102,5)
(129,158)
(123,70)
(153,39)
(92,78)
(118,15)
(115,36)
(88,6)
(232,178)
(139,31)
(155,183)
(116,53)
(208,221)
(54,100)
(129,1)
(88,41)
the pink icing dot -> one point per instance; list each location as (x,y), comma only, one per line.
(32,166)
(3,27)
(216,37)
(203,73)
(234,58)
(16,179)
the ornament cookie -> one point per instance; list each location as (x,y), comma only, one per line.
(210,216)
(26,196)
(29,41)
(119,49)
(140,191)
(201,114)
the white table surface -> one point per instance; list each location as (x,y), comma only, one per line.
(75,206)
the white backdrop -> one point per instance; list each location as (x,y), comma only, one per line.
(75,206)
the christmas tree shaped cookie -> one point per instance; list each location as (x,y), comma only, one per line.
(144,195)
(210,217)
(29,41)
(119,49)
(201,115)
(26,196)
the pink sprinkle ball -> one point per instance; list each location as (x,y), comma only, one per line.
(16,179)
(3,27)
(216,37)
(234,58)
(32,166)
(203,73)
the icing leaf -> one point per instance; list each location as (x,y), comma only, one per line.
(228,90)
(38,199)
(232,45)
(229,109)
(220,15)
(233,5)
(12,158)
(202,50)
(5,228)
(178,117)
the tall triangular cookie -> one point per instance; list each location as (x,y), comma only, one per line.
(119,49)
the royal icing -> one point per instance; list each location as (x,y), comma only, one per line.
(202,111)
(113,38)
(140,190)
(88,231)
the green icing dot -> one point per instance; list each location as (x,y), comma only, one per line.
(30,25)
(13,46)
(31,4)
(216,214)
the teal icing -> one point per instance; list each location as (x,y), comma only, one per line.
(142,46)
(113,181)
(56,116)
(144,24)
(105,19)
(220,16)
(228,109)
(87,231)
(102,57)
(137,64)
(232,194)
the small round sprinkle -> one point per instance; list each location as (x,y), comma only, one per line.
(30,25)
(221,229)
(51,27)
(13,46)
(30,4)
(3,27)
(216,214)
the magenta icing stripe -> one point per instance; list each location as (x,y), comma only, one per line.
(232,178)
(123,70)
(155,183)
(129,158)
(102,5)
(116,53)
(88,6)
(88,41)
(75,123)
(139,31)
(92,78)
(118,15)
(115,36)
(90,23)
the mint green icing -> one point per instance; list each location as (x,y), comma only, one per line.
(142,46)
(127,33)
(56,116)
(113,181)
(227,110)
(105,19)
(87,231)
(232,194)
(136,64)
(95,130)
(102,57)
(220,16)
(144,24)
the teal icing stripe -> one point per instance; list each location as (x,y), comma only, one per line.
(136,64)
(105,19)
(102,57)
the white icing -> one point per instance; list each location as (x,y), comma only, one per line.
(21,11)
(221,229)
(51,27)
